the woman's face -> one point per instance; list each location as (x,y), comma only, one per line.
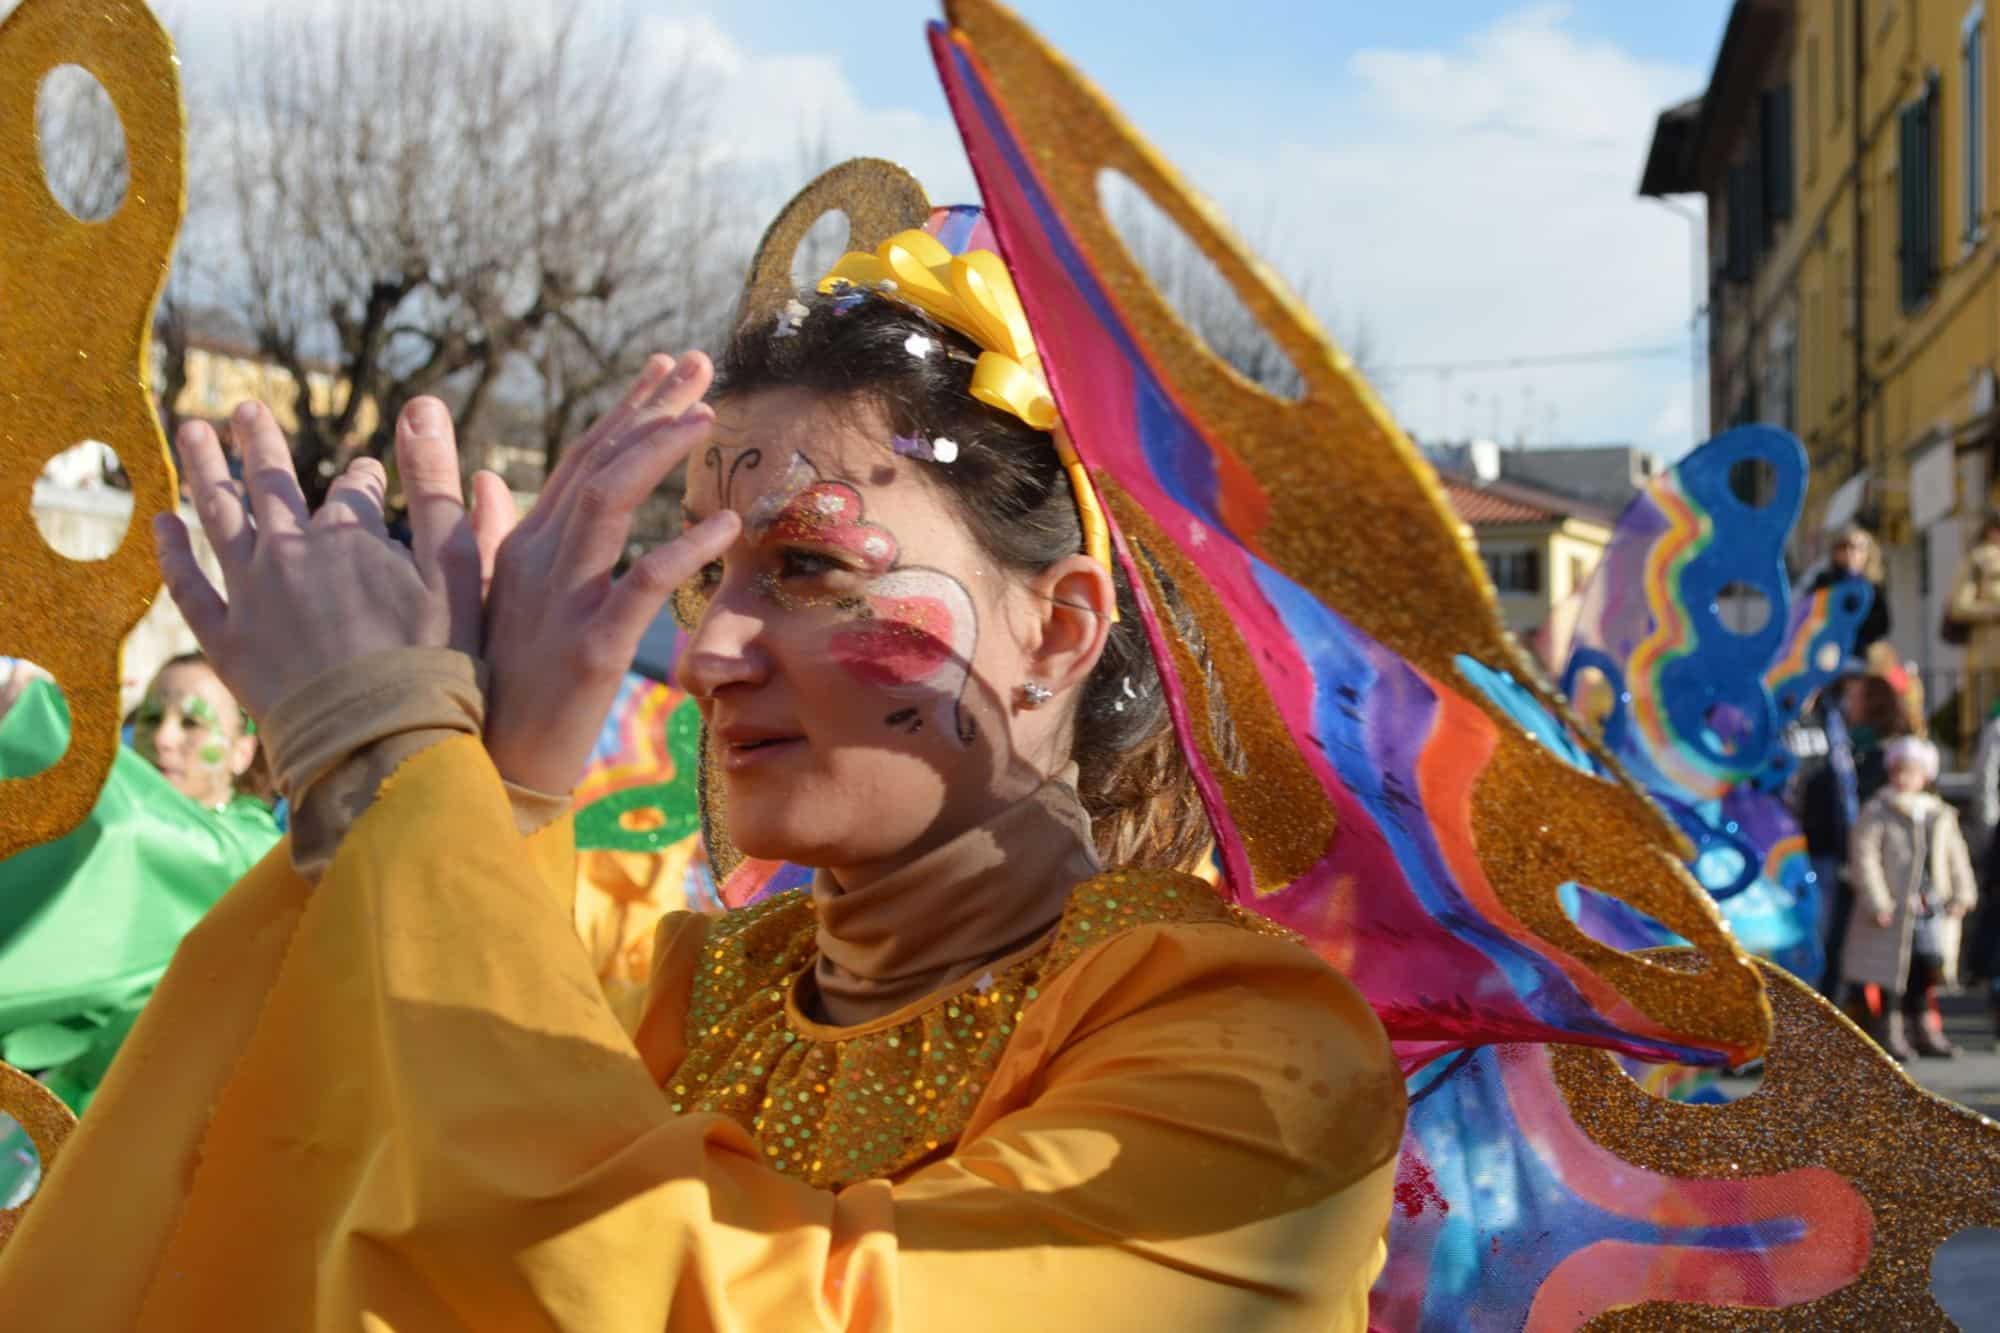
(1851,555)
(855,654)
(1908,777)
(191,729)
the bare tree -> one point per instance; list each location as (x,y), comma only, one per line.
(1204,299)
(440,198)
(82,145)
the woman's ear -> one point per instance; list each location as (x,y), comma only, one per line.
(242,754)
(1074,601)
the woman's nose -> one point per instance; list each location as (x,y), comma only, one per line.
(724,649)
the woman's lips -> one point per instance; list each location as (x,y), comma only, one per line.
(745,756)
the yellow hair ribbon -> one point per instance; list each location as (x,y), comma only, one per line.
(974,294)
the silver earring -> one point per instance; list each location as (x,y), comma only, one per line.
(1034,694)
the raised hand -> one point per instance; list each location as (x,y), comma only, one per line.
(560,632)
(307,592)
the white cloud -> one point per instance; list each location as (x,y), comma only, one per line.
(1479,202)
(785,112)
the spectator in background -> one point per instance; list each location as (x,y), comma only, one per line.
(1984,956)
(1913,884)
(1826,796)
(1856,556)
(1975,611)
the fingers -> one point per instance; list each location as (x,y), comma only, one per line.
(493,517)
(637,599)
(200,605)
(216,498)
(427,462)
(600,517)
(275,498)
(664,387)
(356,497)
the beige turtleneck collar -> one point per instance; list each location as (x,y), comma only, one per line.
(985,894)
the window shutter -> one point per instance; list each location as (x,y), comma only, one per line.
(1908,223)
(1775,139)
(1741,251)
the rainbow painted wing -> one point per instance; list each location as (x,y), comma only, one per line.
(1541,1187)
(1361,792)
(639,791)
(1698,703)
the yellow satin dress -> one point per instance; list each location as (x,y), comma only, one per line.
(399,1100)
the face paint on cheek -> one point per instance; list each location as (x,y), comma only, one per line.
(918,641)
(212,755)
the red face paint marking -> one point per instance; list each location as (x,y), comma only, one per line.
(907,643)
(829,515)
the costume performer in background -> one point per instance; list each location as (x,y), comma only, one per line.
(91,919)
(975,1052)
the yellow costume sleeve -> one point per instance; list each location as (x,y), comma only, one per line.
(401,1102)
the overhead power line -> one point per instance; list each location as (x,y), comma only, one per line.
(1532,362)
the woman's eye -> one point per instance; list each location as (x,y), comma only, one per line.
(708,576)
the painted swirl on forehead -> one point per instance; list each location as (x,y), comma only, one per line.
(739,459)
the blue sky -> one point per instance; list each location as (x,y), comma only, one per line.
(1453,179)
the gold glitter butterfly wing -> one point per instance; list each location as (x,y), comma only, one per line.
(1315,505)
(1831,1105)
(78,299)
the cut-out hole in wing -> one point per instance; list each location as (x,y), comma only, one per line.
(1196,289)
(82,144)
(82,519)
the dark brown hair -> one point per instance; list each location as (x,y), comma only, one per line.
(1008,484)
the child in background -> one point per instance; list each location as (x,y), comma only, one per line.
(1913,885)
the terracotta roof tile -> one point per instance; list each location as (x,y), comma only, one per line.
(1494,504)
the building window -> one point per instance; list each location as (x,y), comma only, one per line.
(1972,63)
(1515,571)
(1775,143)
(1746,223)
(1812,108)
(1917,196)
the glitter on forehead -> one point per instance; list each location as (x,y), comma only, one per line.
(798,479)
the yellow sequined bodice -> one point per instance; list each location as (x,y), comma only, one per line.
(833,1106)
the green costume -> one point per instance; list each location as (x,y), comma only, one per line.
(89,922)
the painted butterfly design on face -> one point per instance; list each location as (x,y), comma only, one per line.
(914,628)
(909,632)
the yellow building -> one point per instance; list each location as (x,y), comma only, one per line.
(225,368)
(1539,549)
(1845,148)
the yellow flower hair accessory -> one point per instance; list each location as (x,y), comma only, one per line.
(974,294)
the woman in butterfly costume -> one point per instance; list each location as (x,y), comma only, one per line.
(1003,602)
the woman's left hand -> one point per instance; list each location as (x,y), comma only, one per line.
(560,631)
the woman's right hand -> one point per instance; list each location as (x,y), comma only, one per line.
(305,592)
